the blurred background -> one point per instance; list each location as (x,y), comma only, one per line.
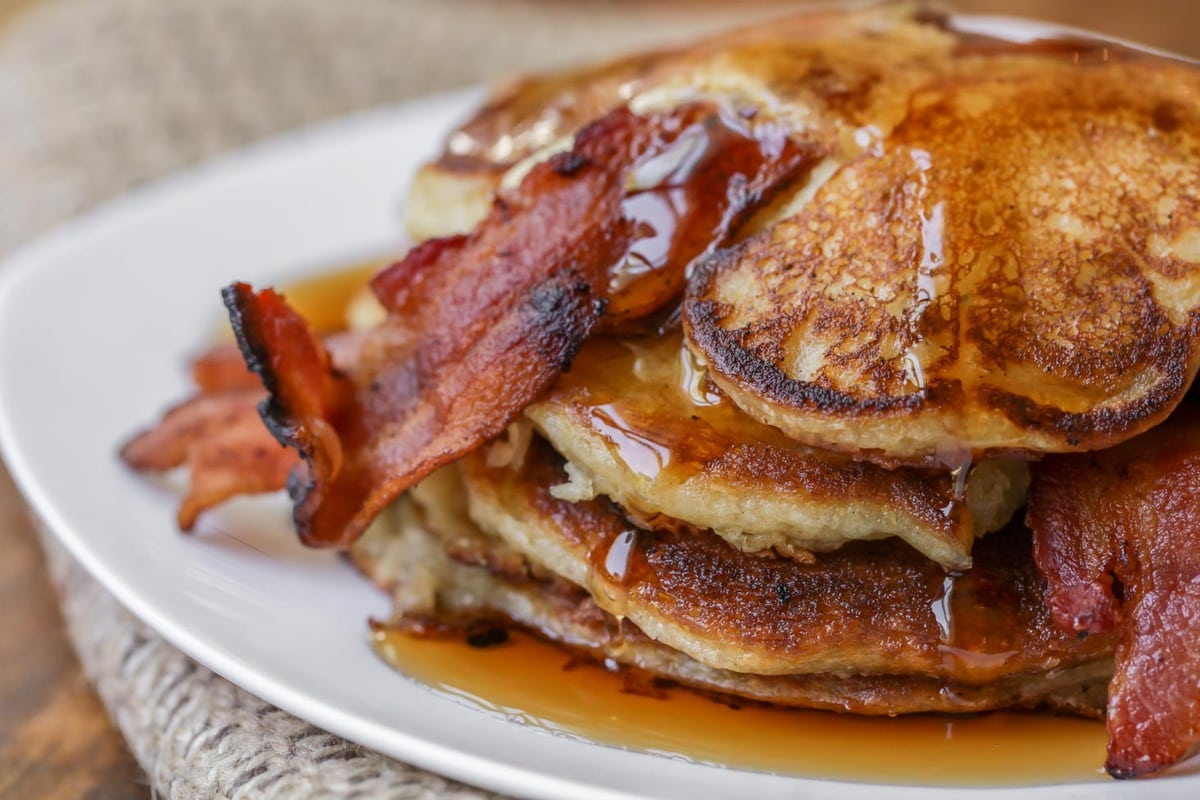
(100,96)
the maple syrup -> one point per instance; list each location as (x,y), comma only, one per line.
(324,299)
(543,686)
(653,404)
(650,401)
(686,196)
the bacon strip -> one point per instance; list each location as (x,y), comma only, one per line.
(1117,536)
(219,435)
(478,325)
(223,443)
(222,368)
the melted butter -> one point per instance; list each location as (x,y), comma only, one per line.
(539,685)
(644,455)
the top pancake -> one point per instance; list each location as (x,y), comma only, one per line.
(1015,267)
(1000,252)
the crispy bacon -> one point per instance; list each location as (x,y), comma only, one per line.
(223,443)
(222,368)
(218,433)
(1117,536)
(477,325)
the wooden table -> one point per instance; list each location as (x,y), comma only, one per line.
(56,741)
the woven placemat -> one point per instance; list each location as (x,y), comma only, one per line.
(99,96)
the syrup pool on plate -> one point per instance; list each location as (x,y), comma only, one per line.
(534,683)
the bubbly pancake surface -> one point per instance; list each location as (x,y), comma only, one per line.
(640,423)
(1000,253)
(1015,267)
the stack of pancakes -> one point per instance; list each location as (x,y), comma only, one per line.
(806,484)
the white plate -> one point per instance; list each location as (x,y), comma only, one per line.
(96,323)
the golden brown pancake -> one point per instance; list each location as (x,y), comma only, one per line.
(1014,268)
(1000,253)
(868,608)
(797,69)
(444,569)
(639,423)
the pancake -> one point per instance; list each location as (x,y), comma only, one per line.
(868,608)
(998,254)
(1014,268)
(639,423)
(406,554)
(794,68)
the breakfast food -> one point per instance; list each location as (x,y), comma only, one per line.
(746,367)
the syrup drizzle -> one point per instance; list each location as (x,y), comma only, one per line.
(657,200)
(325,299)
(644,456)
(617,554)
(695,383)
(960,464)
(928,281)
(613,559)
(687,197)
(941,607)
(528,680)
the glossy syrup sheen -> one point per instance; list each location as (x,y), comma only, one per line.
(653,404)
(324,299)
(686,196)
(650,402)
(537,684)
